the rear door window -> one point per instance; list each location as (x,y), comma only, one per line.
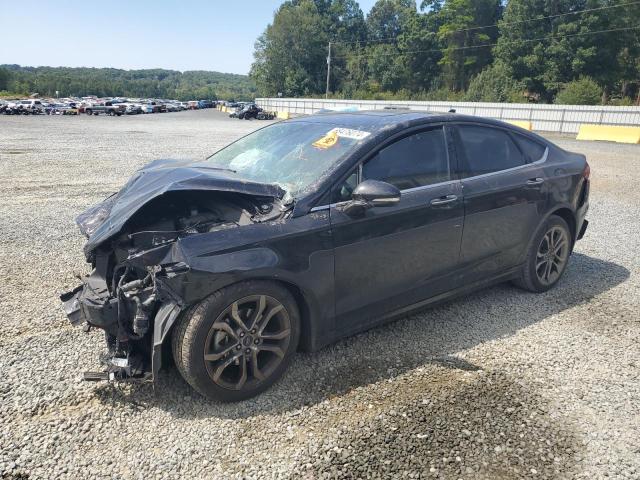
(414,161)
(483,150)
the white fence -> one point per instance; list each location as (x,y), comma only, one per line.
(546,118)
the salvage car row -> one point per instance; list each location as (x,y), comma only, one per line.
(96,106)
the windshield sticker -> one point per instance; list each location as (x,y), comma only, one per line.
(350,133)
(328,141)
(331,138)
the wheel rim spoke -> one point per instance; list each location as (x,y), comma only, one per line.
(276,336)
(226,328)
(255,368)
(212,357)
(223,366)
(275,310)
(548,241)
(243,375)
(262,303)
(235,315)
(273,349)
(547,271)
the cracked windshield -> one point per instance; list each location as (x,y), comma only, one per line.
(292,155)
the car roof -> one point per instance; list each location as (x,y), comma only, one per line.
(372,117)
(393,119)
(374,120)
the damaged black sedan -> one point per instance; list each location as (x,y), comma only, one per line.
(312,229)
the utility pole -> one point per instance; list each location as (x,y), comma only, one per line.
(326,95)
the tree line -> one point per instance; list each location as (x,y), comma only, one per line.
(110,82)
(567,51)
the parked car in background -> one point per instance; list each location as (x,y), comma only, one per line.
(133,109)
(107,108)
(246,111)
(70,109)
(34,105)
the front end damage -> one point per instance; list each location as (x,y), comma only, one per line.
(134,292)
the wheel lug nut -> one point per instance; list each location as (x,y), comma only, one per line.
(238,347)
(247,351)
(241,334)
(253,330)
(256,341)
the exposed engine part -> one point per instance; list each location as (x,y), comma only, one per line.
(141,320)
(170,217)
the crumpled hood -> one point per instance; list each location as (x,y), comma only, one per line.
(107,218)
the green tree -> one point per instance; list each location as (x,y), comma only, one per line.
(546,53)
(584,91)
(494,84)
(4,79)
(290,55)
(462,55)
(422,54)
(387,18)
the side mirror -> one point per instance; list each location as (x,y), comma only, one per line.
(371,193)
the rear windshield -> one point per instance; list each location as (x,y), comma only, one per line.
(291,154)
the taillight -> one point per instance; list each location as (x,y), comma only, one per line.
(587,172)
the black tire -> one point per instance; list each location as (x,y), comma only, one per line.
(88,111)
(542,254)
(261,364)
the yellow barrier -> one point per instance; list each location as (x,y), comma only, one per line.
(284,115)
(609,133)
(520,123)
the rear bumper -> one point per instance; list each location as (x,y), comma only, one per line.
(583,229)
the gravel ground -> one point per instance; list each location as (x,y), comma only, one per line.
(498,384)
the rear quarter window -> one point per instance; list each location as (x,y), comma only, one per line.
(533,151)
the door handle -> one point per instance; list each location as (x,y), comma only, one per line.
(445,200)
(532,182)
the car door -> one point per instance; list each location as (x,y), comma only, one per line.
(504,197)
(395,256)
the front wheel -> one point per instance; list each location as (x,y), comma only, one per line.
(237,342)
(548,256)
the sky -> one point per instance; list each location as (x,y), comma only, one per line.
(172,34)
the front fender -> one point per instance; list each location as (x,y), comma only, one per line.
(166,316)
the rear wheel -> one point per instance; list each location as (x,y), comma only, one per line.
(237,342)
(548,256)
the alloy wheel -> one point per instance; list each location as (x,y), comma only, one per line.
(552,255)
(247,342)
